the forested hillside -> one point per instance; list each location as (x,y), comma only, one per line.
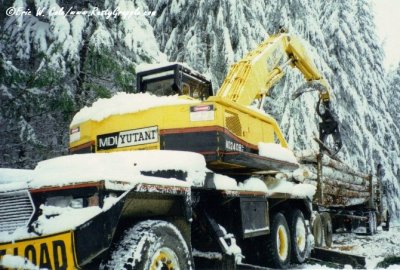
(52,65)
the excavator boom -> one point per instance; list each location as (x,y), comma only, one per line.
(252,77)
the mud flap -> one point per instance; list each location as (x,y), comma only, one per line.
(95,236)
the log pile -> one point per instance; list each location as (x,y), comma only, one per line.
(340,185)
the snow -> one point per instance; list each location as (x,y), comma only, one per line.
(13,186)
(119,166)
(146,67)
(276,151)
(297,190)
(223,182)
(58,219)
(253,184)
(230,248)
(120,170)
(14,175)
(269,186)
(375,248)
(208,255)
(256,230)
(123,103)
(101,37)
(16,262)
(14,179)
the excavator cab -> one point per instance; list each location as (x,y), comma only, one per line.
(174,79)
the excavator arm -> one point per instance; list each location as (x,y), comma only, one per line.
(252,77)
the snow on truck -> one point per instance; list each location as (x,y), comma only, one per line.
(173,177)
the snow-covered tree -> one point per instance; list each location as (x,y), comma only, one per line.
(51,66)
(358,79)
(393,94)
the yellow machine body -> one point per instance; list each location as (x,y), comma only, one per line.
(217,128)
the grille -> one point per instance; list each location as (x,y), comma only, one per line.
(16,209)
(232,123)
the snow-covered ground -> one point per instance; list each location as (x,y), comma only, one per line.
(375,248)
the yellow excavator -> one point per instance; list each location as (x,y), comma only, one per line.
(225,128)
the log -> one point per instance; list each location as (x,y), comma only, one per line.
(335,183)
(327,161)
(306,155)
(310,156)
(343,192)
(330,200)
(329,173)
(341,185)
(334,199)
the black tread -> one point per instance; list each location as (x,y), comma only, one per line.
(327,228)
(297,256)
(135,248)
(272,258)
(371,223)
(317,230)
(386,227)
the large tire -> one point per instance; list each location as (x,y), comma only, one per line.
(317,230)
(278,243)
(375,223)
(298,236)
(371,223)
(152,244)
(327,229)
(386,226)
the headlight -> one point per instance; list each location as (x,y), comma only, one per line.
(76,203)
(59,201)
(69,201)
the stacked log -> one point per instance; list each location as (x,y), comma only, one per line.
(340,184)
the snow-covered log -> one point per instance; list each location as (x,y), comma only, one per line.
(331,187)
(331,173)
(333,200)
(311,157)
(336,183)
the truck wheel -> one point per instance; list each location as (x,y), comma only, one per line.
(278,243)
(317,230)
(387,222)
(152,244)
(298,236)
(371,223)
(327,228)
(375,223)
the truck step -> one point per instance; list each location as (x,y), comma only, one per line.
(244,266)
(337,257)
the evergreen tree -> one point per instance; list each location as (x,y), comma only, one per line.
(51,66)
(393,94)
